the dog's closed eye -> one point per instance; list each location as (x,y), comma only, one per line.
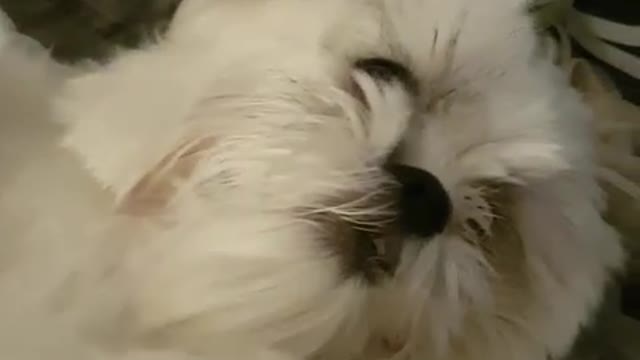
(388,90)
(389,71)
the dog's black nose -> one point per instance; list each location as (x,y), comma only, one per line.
(388,70)
(424,204)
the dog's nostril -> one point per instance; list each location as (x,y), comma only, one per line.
(388,71)
(424,204)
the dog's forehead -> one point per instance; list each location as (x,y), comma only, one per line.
(275,20)
(422,34)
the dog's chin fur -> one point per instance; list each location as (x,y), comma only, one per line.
(183,199)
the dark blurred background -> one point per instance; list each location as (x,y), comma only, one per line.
(78,29)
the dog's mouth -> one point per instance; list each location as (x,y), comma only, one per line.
(413,206)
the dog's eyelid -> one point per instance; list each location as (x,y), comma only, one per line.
(387,70)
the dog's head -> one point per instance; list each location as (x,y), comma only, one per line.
(332,176)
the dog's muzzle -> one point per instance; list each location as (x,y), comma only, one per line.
(424,207)
(420,204)
(421,209)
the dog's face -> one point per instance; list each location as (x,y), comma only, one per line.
(336,177)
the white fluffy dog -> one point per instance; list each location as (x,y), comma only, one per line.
(301,179)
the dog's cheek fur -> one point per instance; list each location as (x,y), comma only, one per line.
(238,276)
(230,257)
(211,190)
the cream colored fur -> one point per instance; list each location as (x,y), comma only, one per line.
(150,208)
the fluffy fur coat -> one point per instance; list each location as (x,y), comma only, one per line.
(204,196)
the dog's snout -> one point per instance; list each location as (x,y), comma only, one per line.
(424,205)
(388,70)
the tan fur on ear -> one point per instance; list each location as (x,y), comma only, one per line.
(152,192)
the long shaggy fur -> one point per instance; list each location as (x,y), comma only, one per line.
(195,198)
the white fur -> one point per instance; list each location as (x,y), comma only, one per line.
(170,225)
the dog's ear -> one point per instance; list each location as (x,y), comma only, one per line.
(123,118)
